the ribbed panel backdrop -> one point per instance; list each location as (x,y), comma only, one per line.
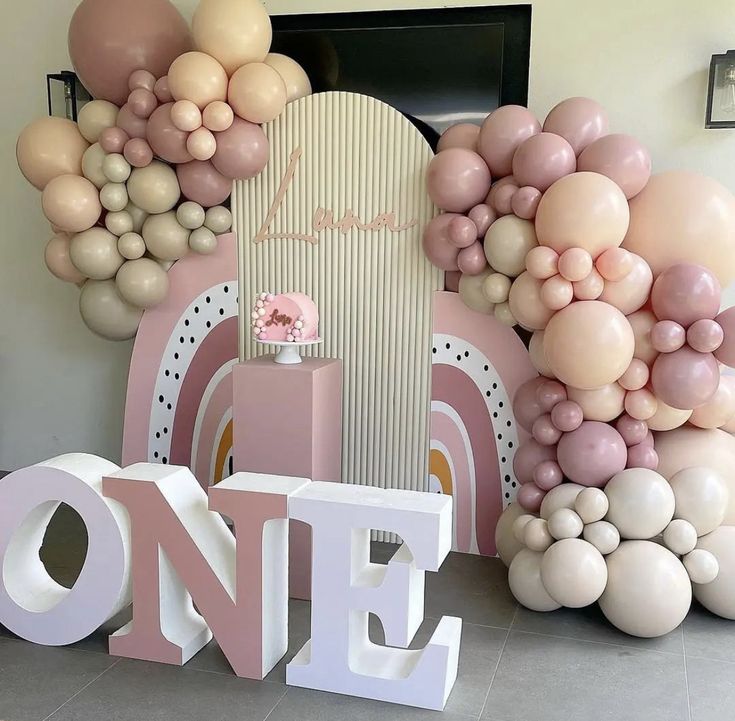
(373,287)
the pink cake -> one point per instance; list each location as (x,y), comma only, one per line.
(286,317)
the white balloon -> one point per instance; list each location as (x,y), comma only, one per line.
(562,496)
(116,168)
(218,219)
(565,523)
(591,505)
(92,161)
(114,196)
(641,503)
(573,572)
(190,215)
(519,527)
(602,535)
(719,595)
(701,497)
(203,241)
(524,579)
(680,537)
(701,565)
(138,215)
(119,222)
(506,543)
(536,535)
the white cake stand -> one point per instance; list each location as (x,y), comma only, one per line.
(288,351)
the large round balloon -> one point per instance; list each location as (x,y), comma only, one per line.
(684,217)
(580,121)
(94,253)
(201,182)
(719,595)
(685,379)
(592,454)
(501,134)
(142,283)
(154,188)
(109,39)
(71,203)
(199,78)
(589,344)
(106,313)
(242,150)
(573,572)
(506,543)
(48,148)
(457,179)
(524,579)
(621,158)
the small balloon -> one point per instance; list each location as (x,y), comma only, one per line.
(483,216)
(138,152)
(542,262)
(705,335)
(472,260)
(462,232)
(575,264)
(524,202)
(186,116)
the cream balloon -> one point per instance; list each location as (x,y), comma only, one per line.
(591,505)
(201,144)
(496,288)
(471,293)
(94,253)
(503,314)
(294,76)
(165,237)
(602,535)
(203,241)
(106,313)
(536,535)
(524,579)
(190,215)
(131,246)
(218,116)
(114,197)
(71,203)
(601,404)
(96,116)
(506,544)
(197,77)
(138,215)
(507,242)
(680,537)
(155,188)
(641,503)
(631,293)
(59,262)
(642,321)
(92,161)
(702,497)
(718,596)
(565,523)
(526,304)
(119,223)
(719,409)
(257,93)
(562,496)
(667,418)
(186,115)
(573,572)
(536,352)
(116,168)
(142,283)
(701,565)
(519,527)
(218,219)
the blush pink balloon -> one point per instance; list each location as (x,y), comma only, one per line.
(547,475)
(526,406)
(529,454)
(134,126)
(589,288)
(726,352)
(530,497)
(165,139)
(685,293)
(457,179)
(580,121)
(162,91)
(641,404)
(685,379)
(142,79)
(524,202)
(567,416)
(242,150)
(542,262)
(614,264)
(437,246)
(705,335)
(483,216)
(592,454)
(201,183)
(501,134)
(667,336)
(472,260)
(636,376)
(622,158)
(462,135)
(556,293)
(544,431)
(451,281)
(642,456)
(462,232)
(113,140)
(138,153)
(632,430)
(542,159)
(503,199)
(496,186)
(575,264)
(549,394)
(142,102)
(630,293)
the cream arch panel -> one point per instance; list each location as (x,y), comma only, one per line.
(338,214)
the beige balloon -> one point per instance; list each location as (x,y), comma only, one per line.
(142,283)
(471,292)
(631,293)
(719,595)
(507,242)
(235,32)
(50,147)
(96,116)
(119,223)
(165,237)
(602,535)
(702,497)
(257,93)
(131,246)
(190,215)
(138,215)
(58,260)
(565,523)
(94,253)
(601,404)
(591,505)
(218,116)
(197,77)
(506,544)
(573,572)
(294,76)
(114,197)
(641,503)
(218,219)
(648,592)
(719,409)
(503,314)
(519,527)
(106,313)
(497,287)
(642,321)
(562,496)
(701,565)
(667,418)
(536,535)
(524,579)
(116,168)
(536,352)
(201,144)
(203,241)
(92,161)
(526,304)
(71,202)
(155,188)
(680,537)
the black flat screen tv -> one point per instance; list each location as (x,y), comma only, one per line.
(439,67)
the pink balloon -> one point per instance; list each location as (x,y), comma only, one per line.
(589,288)
(503,199)
(437,246)
(166,140)
(142,102)
(529,454)
(636,376)
(614,264)
(472,260)
(462,135)
(530,497)
(542,262)
(642,456)
(483,216)
(162,90)
(705,335)
(526,407)
(138,153)
(632,431)
(630,293)
(113,140)
(580,121)
(142,79)
(575,264)
(567,416)
(592,454)
(685,293)
(667,336)
(544,431)
(685,379)
(242,150)
(547,475)
(130,122)
(462,232)
(525,202)
(556,293)
(451,281)
(457,179)
(501,134)
(622,158)
(726,352)
(542,159)
(202,183)
(549,394)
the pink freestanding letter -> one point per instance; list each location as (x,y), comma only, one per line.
(183,552)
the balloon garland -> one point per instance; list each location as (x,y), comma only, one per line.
(143,177)
(561,230)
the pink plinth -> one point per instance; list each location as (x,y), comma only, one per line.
(287,420)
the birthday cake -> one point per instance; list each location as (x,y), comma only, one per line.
(285,317)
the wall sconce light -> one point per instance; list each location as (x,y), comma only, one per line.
(66,94)
(721,94)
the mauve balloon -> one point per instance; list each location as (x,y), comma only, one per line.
(138,153)
(705,335)
(472,260)
(542,159)
(580,121)
(437,246)
(524,202)
(667,336)
(463,232)
(501,134)
(567,416)
(526,406)
(457,179)
(632,430)
(451,281)
(622,158)
(547,475)
(461,135)
(726,352)
(166,140)
(529,454)
(134,126)
(544,431)
(685,378)
(202,183)
(592,454)
(549,394)
(684,293)
(242,150)
(483,216)
(642,456)
(530,497)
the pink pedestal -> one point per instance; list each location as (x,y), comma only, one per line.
(287,420)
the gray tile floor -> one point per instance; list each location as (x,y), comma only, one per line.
(515,665)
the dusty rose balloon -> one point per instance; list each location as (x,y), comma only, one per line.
(526,304)
(113,140)
(685,293)
(592,454)
(526,406)
(556,293)
(217,116)
(580,121)
(501,134)
(632,430)
(496,186)
(622,158)
(632,292)
(601,404)
(201,144)
(642,322)
(542,159)
(142,102)
(198,77)
(589,344)
(685,379)
(141,79)
(614,264)
(667,336)
(542,262)
(461,135)
(457,179)
(726,352)
(483,216)
(636,376)
(186,116)
(547,475)
(705,335)
(589,288)
(134,126)
(58,261)
(166,140)
(641,404)
(549,394)
(242,150)
(138,152)
(257,93)
(440,251)
(202,183)
(575,264)
(463,232)
(719,409)
(503,199)
(529,454)
(108,40)
(71,203)
(567,416)
(451,281)
(162,91)
(530,497)
(524,202)
(472,260)
(544,431)
(642,456)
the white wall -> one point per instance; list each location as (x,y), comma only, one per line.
(62,389)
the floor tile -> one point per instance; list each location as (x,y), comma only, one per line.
(709,636)
(139,691)
(36,680)
(541,678)
(589,624)
(305,705)
(711,689)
